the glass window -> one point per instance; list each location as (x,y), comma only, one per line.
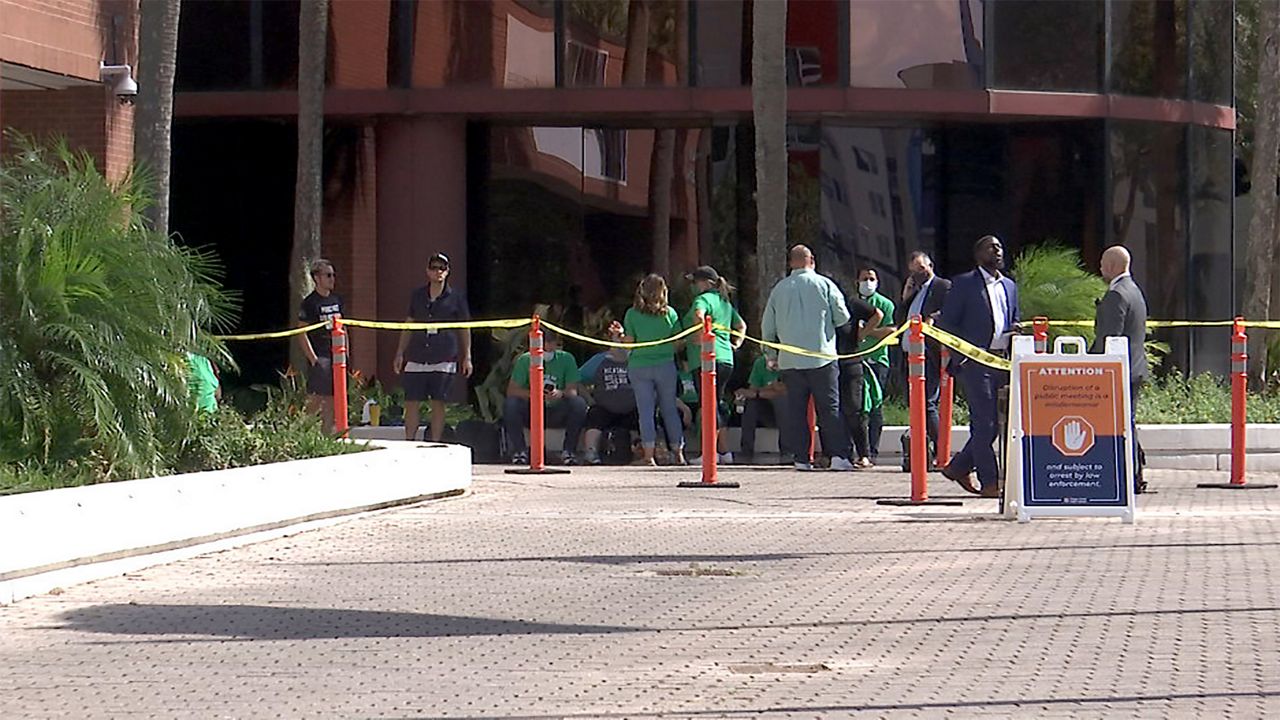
(1149,47)
(1047,45)
(209,60)
(619,43)
(720,54)
(1148,216)
(813,42)
(1212,25)
(1209,296)
(916,43)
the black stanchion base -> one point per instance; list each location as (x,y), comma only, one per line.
(700,484)
(531,471)
(1233,486)
(897,502)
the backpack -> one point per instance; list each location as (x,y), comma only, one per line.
(484,439)
(617,447)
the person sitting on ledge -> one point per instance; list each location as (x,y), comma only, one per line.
(564,406)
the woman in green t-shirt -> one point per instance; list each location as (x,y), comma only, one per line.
(653,369)
(712,298)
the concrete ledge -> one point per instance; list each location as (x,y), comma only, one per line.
(44,532)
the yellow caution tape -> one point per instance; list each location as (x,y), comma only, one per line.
(273,335)
(967,349)
(631,345)
(1265,324)
(886,341)
(451,325)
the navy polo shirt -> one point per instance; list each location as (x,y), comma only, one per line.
(435,346)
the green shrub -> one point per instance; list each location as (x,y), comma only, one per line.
(1053,283)
(99,311)
(1203,398)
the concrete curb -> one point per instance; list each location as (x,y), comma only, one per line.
(45,534)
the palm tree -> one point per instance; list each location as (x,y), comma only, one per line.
(769,115)
(313,31)
(153,114)
(1263,243)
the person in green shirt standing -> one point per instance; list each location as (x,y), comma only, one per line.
(712,297)
(564,406)
(866,406)
(653,369)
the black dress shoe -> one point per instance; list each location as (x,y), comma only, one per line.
(965,481)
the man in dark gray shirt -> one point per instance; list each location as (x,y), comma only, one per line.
(614,403)
(1122,312)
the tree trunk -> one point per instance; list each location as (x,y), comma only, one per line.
(153,113)
(635,63)
(702,190)
(769,113)
(661,175)
(1262,245)
(313,31)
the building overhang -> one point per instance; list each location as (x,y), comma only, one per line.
(21,77)
(640,107)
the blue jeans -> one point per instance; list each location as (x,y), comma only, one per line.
(656,388)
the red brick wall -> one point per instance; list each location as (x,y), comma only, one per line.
(360,30)
(61,36)
(89,118)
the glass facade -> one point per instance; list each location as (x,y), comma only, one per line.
(916,44)
(1048,45)
(1149,47)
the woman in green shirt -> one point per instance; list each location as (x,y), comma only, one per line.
(653,369)
(712,293)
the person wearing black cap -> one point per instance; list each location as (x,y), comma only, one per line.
(712,297)
(429,359)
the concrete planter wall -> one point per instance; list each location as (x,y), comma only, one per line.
(44,532)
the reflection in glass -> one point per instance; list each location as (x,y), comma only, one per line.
(721,53)
(1149,47)
(509,44)
(1048,45)
(916,43)
(1212,26)
(615,42)
(813,49)
(1148,216)
(1212,168)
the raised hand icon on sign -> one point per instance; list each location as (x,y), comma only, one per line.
(1074,436)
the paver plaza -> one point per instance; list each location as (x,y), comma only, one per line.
(610,593)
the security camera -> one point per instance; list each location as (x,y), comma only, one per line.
(123,84)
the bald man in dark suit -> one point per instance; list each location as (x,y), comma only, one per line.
(1122,312)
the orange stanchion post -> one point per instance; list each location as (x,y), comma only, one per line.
(946,407)
(919,433)
(339,347)
(1040,332)
(709,409)
(811,419)
(1239,396)
(537,406)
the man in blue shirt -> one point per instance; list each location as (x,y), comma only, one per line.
(804,310)
(924,294)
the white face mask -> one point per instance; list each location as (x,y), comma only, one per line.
(867,287)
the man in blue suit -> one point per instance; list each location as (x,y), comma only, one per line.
(982,309)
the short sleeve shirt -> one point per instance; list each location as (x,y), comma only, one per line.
(646,328)
(860,311)
(317,308)
(761,375)
(722,314)
(435,346)
(613,385)
(559,370)
(204,382)
(885,305)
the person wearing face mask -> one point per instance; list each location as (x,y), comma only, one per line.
(863,402)
(924,294)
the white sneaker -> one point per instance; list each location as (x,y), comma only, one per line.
(725,458)
(803,466)
(839,463)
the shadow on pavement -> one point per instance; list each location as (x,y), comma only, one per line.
(285,623)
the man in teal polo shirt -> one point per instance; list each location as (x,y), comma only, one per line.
(864,401)
(564,406)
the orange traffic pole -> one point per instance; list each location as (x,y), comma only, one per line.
(946,407)
(709,409)
(709,457)
(339,346)
(1040,332)
(537,378)
(1239,395)
(919,432)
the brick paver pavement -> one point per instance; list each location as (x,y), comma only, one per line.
(610,593)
